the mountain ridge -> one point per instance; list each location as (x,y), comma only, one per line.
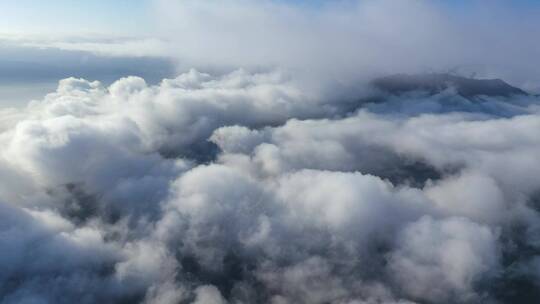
(435,83)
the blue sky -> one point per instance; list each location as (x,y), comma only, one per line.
(135,16)
(72,16)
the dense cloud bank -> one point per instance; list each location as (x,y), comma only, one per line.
(344,41)
(244,188)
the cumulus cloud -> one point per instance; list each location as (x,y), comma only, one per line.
(243,188)
(280,176)
(440,261)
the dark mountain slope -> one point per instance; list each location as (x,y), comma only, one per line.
(436,83)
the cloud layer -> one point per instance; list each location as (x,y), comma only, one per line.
(349,41)
(331,45)
(245,188)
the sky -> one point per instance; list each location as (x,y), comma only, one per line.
(494,39)
(28,72)
(70,17)
(136,16)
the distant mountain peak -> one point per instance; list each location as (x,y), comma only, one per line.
(437,82)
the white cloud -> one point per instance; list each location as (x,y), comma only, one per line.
(344,41)
(440,261)
(244,187)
